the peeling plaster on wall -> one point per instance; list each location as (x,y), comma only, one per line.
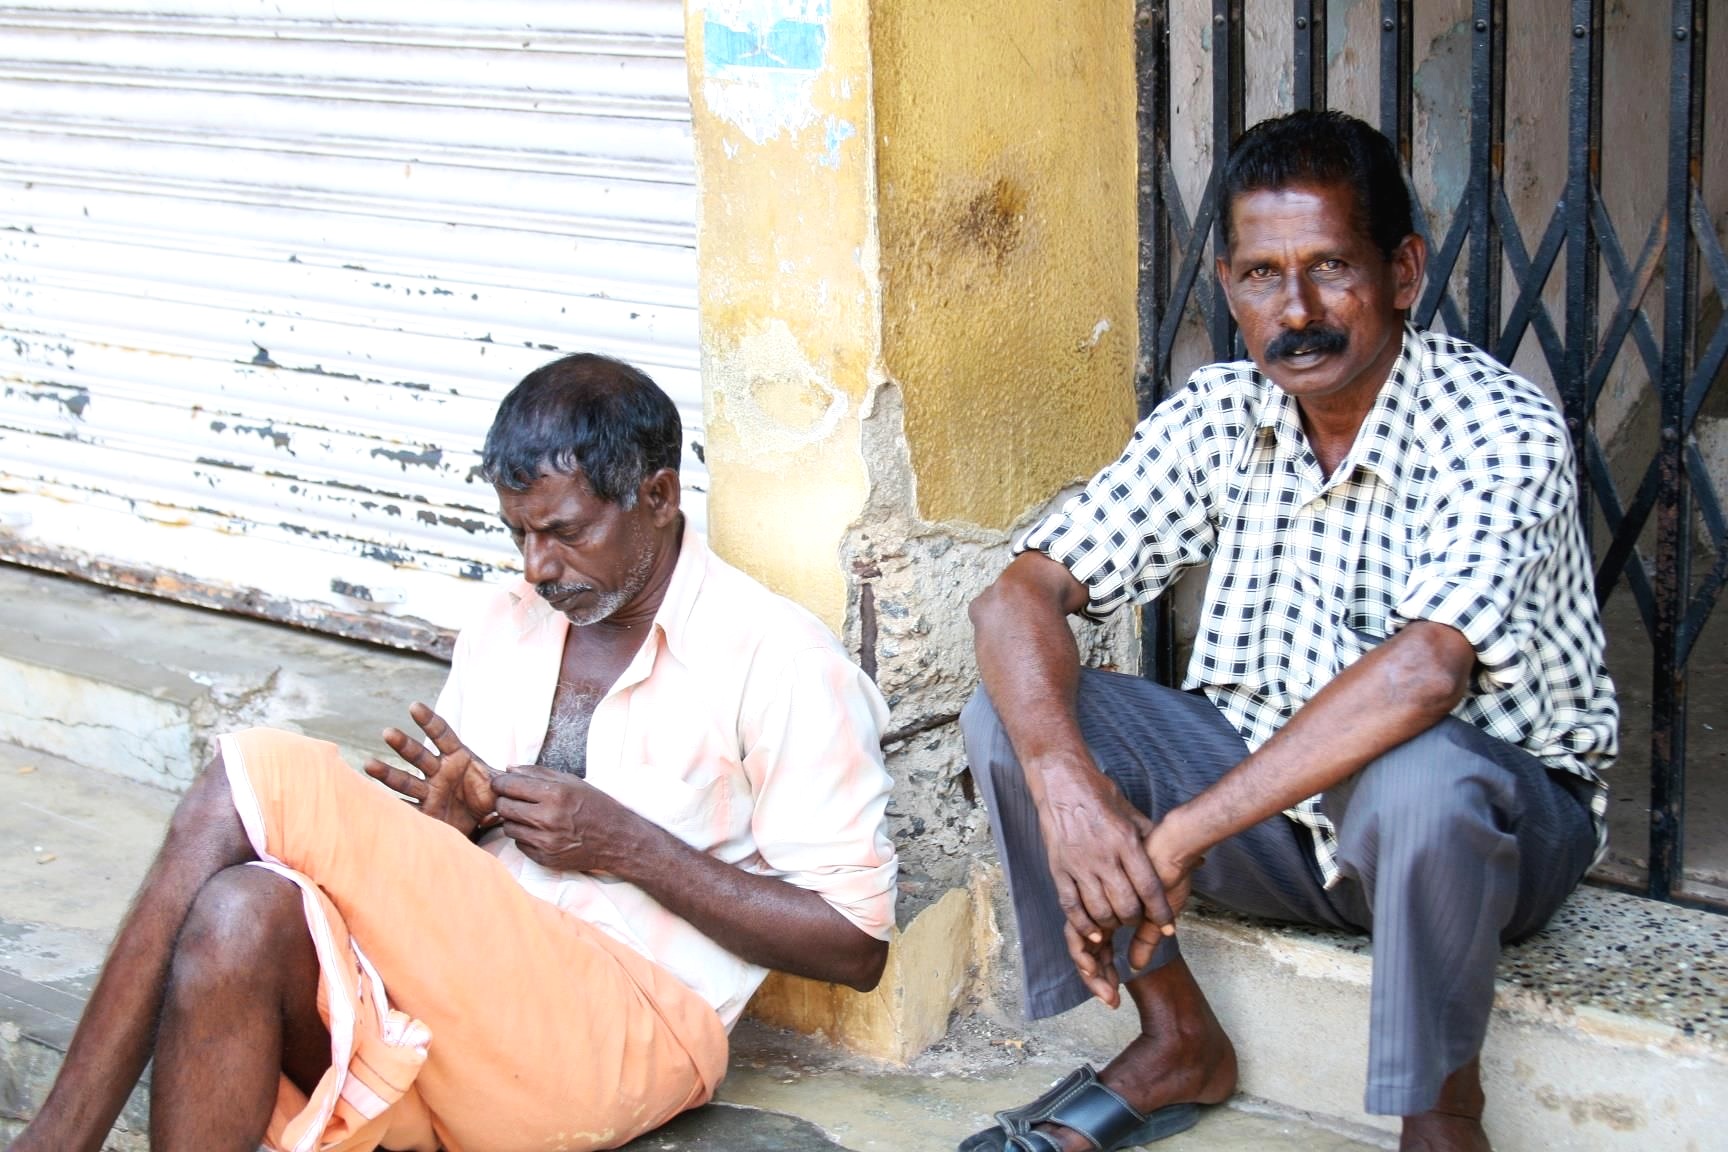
(1338,15)
(921,577)
(760,63)
(1441,89)
(771,394)
(839,131)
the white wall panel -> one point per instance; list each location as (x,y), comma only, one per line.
(267,268)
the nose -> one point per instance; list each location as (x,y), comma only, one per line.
(1301,303)
(539,563)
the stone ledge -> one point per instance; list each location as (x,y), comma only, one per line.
(1609,1032)
(929,965)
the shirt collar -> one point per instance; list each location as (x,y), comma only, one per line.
(671,619)
(1377,441)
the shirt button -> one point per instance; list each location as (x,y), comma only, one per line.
(1300,677)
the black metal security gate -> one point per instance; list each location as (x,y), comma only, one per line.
(1654,510)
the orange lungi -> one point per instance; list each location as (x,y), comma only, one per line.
(463,1012)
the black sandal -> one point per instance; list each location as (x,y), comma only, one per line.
(1081,1102)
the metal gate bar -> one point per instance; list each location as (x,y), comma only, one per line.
(1581,351)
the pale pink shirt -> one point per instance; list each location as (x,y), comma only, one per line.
(741,726)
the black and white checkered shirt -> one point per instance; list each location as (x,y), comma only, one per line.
(1456,504)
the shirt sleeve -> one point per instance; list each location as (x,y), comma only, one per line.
(1142,520)
(452,698)
(814,761)
(1481,564)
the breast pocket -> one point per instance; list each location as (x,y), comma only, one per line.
(700,814)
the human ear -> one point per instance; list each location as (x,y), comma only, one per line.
(661,493)
(1409,261)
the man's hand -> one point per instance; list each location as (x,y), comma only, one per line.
(564,823)
(454,785)
(1097,847)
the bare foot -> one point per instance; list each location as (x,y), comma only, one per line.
(1454,1124)
(1182,1054)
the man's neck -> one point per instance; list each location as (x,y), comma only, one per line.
(639,613)
(1332,423)
(1331,428)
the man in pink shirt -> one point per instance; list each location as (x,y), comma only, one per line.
(693,794)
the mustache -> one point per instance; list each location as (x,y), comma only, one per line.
(550,591)
(1319,339)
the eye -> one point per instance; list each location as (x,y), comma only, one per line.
(1331,264)
(1260,272)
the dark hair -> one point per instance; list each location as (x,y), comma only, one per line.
(1324,148)
(584,414)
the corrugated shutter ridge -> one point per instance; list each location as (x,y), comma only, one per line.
(266,270)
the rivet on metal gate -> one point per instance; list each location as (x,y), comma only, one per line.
(1481,25)
(1218,19)
(1670,435)
(1679,33)
(1388,24)
(1301,21)
(1578,30)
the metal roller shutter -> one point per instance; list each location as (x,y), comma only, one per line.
(267,268)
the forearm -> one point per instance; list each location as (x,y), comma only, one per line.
(1393,694)
(763,919)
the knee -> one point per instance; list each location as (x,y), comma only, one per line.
(1430,786)
(206,813)
(243,920)
(989,755)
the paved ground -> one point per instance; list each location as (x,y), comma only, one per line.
(73,844)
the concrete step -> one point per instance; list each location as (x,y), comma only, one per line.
(74,843)
(141,687)
(1610,1029)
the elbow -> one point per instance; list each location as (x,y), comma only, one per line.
(985,606)
(872,961)
(1433,676)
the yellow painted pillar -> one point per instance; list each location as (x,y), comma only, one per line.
(917,279)
(790,288)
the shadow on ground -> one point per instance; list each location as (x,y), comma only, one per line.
(730,1127)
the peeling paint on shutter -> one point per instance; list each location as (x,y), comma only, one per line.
(267,268)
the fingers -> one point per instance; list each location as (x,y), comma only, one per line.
(1147,936)
(532,786)
(1095,962)
(440,733)
(1108,901)
(1149,896)
(412,751)
(398,781)
(1074,907)
(1157,906)
(1134,888)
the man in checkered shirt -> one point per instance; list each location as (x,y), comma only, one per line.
(1396,714)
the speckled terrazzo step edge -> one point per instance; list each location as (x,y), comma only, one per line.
(1609,1032)
(1611,965)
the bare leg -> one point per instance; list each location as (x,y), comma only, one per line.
(1454,1124)
(1182,1053)
(242,1004)
(114,1037)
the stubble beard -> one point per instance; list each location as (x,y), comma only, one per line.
(605,604)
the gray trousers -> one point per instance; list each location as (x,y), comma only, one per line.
(1449,845)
